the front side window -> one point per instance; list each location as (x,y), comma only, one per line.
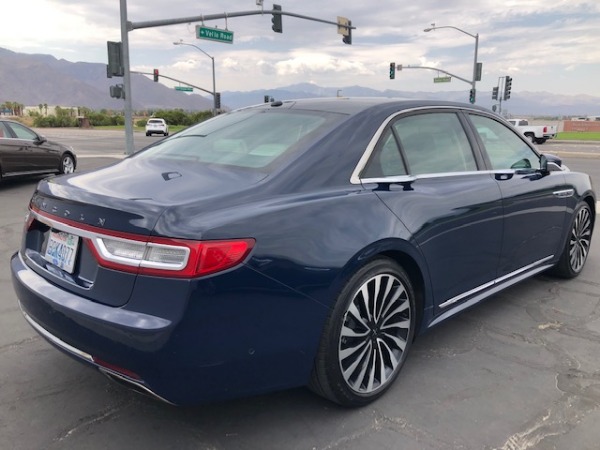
(505,149)
(23,132)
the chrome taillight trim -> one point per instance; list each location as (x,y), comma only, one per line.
(96,240)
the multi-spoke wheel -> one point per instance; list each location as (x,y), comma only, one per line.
(577,247)
(367,336)
(67,164)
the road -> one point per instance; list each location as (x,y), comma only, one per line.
(519,371)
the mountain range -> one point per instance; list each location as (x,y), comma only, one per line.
(33,79)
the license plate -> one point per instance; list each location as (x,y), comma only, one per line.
(62,250)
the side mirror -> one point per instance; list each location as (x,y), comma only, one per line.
(550,163)
(40,139)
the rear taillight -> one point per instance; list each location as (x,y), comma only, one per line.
(157,256)
(168,257)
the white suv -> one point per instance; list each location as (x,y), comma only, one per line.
(158,126)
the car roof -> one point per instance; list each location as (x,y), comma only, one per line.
(355,105)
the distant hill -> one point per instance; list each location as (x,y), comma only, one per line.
(520,103)
(31,79)
(34,79)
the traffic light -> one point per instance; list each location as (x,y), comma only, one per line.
(472,95)
(507,87)
(495,93)
(155,74)
(276,20)
(217,100)
(115,60)
(392,71)
(347,39)
(117,91)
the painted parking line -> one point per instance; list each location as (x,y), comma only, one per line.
(101,155)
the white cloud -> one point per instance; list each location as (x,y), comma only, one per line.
(534,39)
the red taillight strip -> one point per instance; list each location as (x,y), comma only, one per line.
(199,258)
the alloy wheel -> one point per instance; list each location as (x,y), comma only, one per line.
(579,242)
(375,332)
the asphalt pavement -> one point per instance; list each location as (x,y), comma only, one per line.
(519,371)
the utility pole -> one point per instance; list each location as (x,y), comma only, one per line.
(127,81)
(344,26)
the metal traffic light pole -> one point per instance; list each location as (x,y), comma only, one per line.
(476,65)
(129,148)
(127,26)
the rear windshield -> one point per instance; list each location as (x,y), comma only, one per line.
(248,138)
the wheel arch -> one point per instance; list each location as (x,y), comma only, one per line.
(402,253)
(72,155)
(591,202)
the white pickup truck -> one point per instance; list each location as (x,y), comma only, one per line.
(538,134)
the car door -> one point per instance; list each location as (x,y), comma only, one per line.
(534,203)
(13,151)
(452,209)
(38,155)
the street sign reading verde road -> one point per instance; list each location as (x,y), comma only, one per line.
(184,88)
(214,34)
(442,79)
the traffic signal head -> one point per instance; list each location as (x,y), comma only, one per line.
(507,87)
(472,96)
(347,39)
(276,20)
(117,91)
(495,93)
(218,100)
(392,71)
(155,74)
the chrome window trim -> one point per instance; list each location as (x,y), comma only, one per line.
(362,162)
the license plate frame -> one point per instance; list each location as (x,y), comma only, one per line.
(61,250)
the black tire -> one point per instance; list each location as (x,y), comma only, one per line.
(359,338)
(147,134)
(67,164)
(531,137)
(166,134)
(540,141)
(577,247)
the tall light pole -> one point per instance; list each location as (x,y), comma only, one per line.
(474,36)
(214,111)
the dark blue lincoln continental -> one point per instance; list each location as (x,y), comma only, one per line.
(296,243)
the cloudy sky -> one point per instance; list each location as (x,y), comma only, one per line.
(545,45)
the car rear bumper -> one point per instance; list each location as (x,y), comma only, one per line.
(219,344)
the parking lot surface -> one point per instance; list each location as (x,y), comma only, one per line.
(518,371)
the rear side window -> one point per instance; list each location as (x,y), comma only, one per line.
(249,139)
(420,144)
(504,148)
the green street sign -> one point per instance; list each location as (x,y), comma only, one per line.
(214,34)
(184,88)
(442,79)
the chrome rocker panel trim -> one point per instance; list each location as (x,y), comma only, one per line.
(482,292)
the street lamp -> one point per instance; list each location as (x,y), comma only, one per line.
(474,36)
(214,111)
